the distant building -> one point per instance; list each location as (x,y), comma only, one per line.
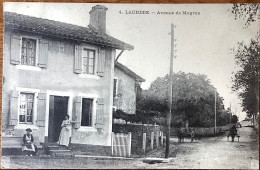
(126,83)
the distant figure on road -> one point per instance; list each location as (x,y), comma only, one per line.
(181,134)
(192,134)
(233,132)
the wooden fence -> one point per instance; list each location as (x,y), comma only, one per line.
(121,144)
(155,141)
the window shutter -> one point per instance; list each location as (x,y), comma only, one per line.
(78,59)
(100,113)
(14,108)
(41,109)
(101,62)
(43,53)
(77,113)
(15,49)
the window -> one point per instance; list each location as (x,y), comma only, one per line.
(115,88)
(28,52)
(87,111)
(88,57)
(26,108)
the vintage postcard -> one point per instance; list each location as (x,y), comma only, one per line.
(172,86)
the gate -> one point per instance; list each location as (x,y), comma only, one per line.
(121,144)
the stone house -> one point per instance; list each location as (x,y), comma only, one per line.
(51,69)
(126,83)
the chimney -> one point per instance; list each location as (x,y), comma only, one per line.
(98,18)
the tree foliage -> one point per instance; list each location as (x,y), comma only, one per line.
(193,100)
(245,81)
(247,12)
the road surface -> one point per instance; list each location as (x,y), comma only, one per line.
(213,152)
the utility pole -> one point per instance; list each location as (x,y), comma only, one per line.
(215,127)
(230,113)
(167,150)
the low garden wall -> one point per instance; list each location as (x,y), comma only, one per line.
(202,131)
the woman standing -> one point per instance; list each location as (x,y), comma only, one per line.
(64,138)
(28,147)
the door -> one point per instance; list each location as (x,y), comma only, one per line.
(57,111)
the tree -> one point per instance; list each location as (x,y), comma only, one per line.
(247,57)
(246,11)
(245,80)
(193,99)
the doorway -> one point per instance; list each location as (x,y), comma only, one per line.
(58,109)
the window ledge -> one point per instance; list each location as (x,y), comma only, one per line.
(25,67)
(87,129)
(89,76)
(25,126)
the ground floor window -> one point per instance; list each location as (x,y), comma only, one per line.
(87,111)
(26,108)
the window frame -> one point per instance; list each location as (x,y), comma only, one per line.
(94,111)
(34,115)
(33,109)
(116,93)
(95,50)
(28,67)
(36,50)
(30,39)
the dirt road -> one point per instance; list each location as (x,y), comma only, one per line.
(218,153)
(207,153)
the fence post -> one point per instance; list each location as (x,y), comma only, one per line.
(112,145)
(157,139)
(129,137)
(162,138)
(144,143)
(152,139)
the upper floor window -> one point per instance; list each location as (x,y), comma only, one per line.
(88,57)
(28,56)
(29,51)
(89,60)
(26,108)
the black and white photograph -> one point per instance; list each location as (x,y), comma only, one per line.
(130,86)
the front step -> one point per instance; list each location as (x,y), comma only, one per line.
(57,151)
(61,153)
(57,148)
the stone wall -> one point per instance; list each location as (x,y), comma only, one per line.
(201,131)
(126,95)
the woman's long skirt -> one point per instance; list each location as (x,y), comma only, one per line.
(64,137)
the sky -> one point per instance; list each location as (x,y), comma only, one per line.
(203,41)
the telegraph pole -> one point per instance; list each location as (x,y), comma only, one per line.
(230,113)
(215,127)
(167,150)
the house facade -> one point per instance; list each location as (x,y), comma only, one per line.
(126,84)
(52,69)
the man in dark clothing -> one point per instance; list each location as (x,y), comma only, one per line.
(233,132)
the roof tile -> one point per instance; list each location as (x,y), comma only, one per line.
(63,30)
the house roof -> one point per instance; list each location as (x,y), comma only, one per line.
(129,72)
(62,30)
